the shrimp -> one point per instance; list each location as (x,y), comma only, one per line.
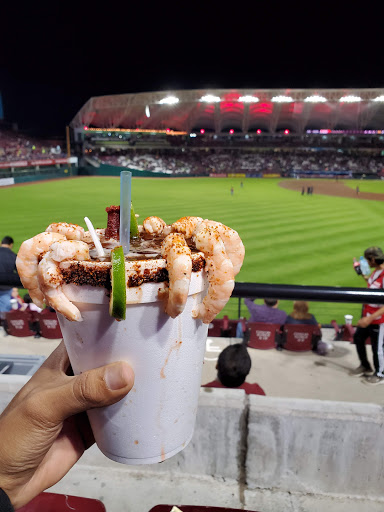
(28,259)
(154,225)
(234,247)
(179,265)
(219,268)
(51,279)
(186,225)
(70,231)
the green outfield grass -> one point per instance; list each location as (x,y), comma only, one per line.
(289,238)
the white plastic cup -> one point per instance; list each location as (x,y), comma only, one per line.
(156,419)
(14,303)
(348,319)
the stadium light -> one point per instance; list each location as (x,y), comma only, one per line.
(248,99)
(350,99)
(379,98)
(169,100)
(258,131)
(147,111)
(210,98)
(315,99)
(231,131)
(192,134)
(286,132)
(202,131)
(282,99)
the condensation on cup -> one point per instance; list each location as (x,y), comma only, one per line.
(348,319)
(156,419)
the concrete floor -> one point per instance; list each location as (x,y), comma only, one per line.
(280,374)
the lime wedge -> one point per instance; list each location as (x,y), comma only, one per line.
(134,230)
(118,299)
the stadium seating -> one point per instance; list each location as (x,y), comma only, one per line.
(52,502)
(299,338)
(263,336)
(49,325)
(18,323)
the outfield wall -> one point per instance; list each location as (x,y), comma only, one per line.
(282,453)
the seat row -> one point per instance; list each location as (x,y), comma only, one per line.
(30,323)
(263,336)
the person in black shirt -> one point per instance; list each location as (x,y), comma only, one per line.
(8,273)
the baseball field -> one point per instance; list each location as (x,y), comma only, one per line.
(289,237)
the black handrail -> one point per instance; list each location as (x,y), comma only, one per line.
(310,293)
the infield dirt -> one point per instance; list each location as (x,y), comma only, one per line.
(330,188)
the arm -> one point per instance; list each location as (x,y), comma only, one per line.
(44,430)
(367,320)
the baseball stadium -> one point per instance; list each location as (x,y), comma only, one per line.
(244,157)
(299,175)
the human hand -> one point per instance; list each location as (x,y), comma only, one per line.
(364,321)
(45,429)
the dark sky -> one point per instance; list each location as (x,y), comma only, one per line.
(53,60)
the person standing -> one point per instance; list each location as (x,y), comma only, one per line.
(9,277)
(371,324)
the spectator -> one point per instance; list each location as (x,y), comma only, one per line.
(233,366)
(8,273)
(300,314)
(267,312)
(371,323)
(15,296)
(29,305)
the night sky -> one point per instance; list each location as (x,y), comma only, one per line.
(53,60)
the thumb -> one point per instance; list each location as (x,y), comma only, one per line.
(94,388)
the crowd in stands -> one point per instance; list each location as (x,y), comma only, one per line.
(252,163)
(14,147)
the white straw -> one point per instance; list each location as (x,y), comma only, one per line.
(95,238)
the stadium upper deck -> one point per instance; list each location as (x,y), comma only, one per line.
(237,110)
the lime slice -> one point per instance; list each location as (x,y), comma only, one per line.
(134,230)
(118,299)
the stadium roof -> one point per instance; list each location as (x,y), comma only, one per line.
(241,110)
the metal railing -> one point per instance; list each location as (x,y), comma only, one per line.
(310,293)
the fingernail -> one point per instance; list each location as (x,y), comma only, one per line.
(117,376)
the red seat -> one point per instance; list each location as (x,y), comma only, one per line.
(197,508)
(262,335)
(215,330)
(223,327)
(49,324)
(299,337)
(51,502)
(17,323)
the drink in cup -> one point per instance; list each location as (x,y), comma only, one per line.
(175,281)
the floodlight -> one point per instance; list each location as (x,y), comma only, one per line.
(169,100)
(282,99)
(210,98)
(147,111)
(315,99)
(350,99)
(248,99)
(379,98)
(192,134)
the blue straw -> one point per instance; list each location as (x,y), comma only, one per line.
(125,209)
